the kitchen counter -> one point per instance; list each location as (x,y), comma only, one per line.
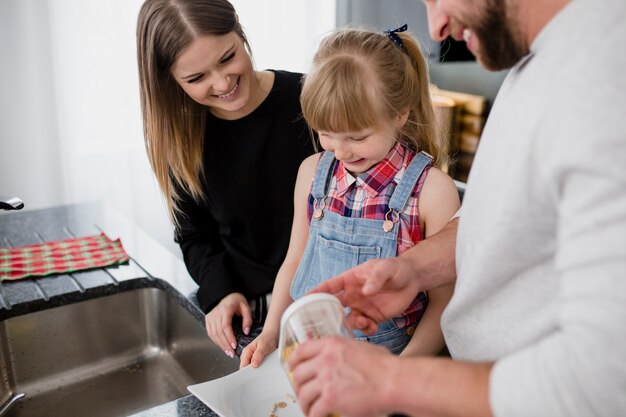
(150,265)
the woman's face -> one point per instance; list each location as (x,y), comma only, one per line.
(216,71)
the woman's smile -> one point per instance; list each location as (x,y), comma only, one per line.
(230,95)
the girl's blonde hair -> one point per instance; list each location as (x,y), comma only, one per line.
(173,123)
(361,79)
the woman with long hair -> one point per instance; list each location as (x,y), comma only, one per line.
(225,142)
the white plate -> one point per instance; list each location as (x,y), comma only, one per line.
(250,392)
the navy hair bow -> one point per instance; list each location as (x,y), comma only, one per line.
(393,35)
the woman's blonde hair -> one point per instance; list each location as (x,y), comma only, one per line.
(361,79)
(174,123)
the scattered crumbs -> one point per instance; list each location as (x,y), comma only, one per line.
(281,404)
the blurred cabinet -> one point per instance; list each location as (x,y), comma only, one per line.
(460,119)
(465,90)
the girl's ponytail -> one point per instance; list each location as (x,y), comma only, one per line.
(423,125)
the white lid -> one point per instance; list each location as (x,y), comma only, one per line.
(302,302)
(307,299)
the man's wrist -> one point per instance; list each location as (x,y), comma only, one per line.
(401,385)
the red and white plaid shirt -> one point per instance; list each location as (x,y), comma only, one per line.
(368,195)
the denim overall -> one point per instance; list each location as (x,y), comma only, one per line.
(337,243)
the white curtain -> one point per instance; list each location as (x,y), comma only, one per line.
(70,123)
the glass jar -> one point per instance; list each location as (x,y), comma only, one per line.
(313,316)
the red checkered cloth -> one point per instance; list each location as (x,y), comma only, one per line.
(60,257)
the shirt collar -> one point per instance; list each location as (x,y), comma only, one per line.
(377,177)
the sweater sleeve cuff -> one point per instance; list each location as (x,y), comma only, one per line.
(217,280)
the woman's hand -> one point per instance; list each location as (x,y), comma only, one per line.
(259,348)
(219,321)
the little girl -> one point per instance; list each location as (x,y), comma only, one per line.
(375,191)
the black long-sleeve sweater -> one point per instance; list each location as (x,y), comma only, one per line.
(236,240)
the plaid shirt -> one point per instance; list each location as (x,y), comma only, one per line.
(368,197)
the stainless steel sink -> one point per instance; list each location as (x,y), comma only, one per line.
(108,356)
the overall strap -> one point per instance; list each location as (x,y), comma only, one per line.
(411,176)
(322,175)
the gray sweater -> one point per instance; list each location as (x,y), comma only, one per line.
(541,249)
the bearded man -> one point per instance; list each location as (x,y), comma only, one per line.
(537,323)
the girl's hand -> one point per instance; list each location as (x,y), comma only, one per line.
(219,321)
(258,349)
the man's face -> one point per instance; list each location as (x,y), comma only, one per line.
(489,27)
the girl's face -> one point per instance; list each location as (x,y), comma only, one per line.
(217,71)
(359,151)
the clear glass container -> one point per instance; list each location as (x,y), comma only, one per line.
(313,316)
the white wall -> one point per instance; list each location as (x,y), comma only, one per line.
(70,124)
(284,34)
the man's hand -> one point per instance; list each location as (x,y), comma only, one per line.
(380,289)
(341,376)
(376,290)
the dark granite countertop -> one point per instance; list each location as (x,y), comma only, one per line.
(151,265)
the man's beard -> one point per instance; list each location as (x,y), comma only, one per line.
(501,46)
